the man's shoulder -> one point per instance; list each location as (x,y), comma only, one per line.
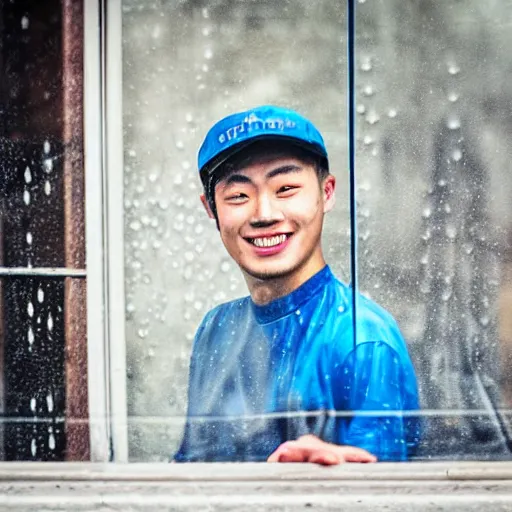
(227,311)
(377,324)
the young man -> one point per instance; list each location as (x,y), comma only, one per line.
(277,376)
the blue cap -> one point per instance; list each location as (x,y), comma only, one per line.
(237,131)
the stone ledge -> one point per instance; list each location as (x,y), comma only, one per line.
(140,487)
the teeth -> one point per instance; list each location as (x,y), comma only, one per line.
(269,241)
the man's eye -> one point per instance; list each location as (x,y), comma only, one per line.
(286,189)
(236,198)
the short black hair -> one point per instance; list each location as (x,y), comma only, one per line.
(261,150)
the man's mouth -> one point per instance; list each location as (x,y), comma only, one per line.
(268,241)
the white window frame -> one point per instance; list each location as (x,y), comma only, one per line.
(103,147)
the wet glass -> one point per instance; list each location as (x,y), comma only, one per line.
(185,67)
(434,216)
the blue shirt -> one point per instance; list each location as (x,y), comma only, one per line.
(262,375)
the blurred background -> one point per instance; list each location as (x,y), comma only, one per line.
(434,221)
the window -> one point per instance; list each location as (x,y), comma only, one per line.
(108,261)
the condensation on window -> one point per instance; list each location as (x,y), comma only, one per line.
(184,67)
(434,223)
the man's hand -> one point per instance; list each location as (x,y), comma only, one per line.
(310,448)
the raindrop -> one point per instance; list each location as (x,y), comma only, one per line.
(297,312)
(198,229)
(178,179)
(367,140)
(153,177)
(457,154)
(372,117)
(49,323)
(185,164)
(49,402)
(179,144)
(25,22)
(446,295)
(142,333)
(33,447)
(225,266)
(453,123)
(447,208)
(424,259)
(135,225)
(442,183)
(189,118)
(453,69)
(366,64)
(341,309)
(48,165)
(26,197)
(130,308)
(47,188)
(392,113)
(427,212)
(29,238)
(208,53)
(198,305)
(189,256)
(40,295)
(206,31)
(453,97)
(46,147)
(451,232)
(132,153)
(30,309)
(33,404)
(360,109)
(31,337)
(28,175)
(368,90)
(51,442)
(205,13)
(484,321)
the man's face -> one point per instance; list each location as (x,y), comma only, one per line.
(270,216)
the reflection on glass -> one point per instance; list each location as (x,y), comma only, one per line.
(434,217)
(183,68)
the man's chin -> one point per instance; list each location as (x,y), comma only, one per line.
(269,274)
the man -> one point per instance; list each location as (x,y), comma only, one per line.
(276,376)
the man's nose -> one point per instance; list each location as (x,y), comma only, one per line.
(266,212)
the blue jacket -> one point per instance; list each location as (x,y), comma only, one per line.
(262,375)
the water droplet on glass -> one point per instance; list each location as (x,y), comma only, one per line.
(372,117)
(49,402)
(30,336)
(360,109)
(47,188)
(453,123)
(484,321)
(49,323)
(26,197)
(25,22)
(445,296)
(442,183)
(135,225)
(225,266)
(424,259)
(457,155)
(28,175)
(30,309)
(132,153)
(427,212)
(198,305)
(367,140)
(130,308)
(33,404)
(48,165)
(142,333)
(447,208)
(392,113)
(368,90)
(46,147)
(205,12)
(208,53)
(29,238)
(40,295)
(453,69)
(33,447)
(451,232)
(453,97)
(51,442)
(189,256)
(341,309)
(179,144)
(366,64)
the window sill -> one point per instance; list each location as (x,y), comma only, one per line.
(450,486)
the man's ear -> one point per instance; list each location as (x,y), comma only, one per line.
(207,206)
(328,188)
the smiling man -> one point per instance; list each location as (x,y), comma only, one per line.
(275,376)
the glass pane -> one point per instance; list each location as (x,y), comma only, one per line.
(185,67)
(435,222)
